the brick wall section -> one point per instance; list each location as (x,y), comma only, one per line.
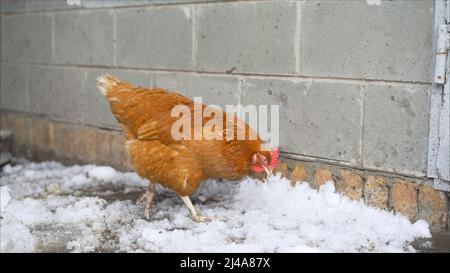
(46,139)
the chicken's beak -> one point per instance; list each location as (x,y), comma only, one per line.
(268,171)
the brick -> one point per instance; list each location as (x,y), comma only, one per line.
(4,120)
(104,147)
(391,41)
(98,146)
(118,153)
(96,110)
(155,38)
(47,140)
(433,208)
(321,176)
(20,128)
(26,38)
(316,119)
(217,90)
(5,145)
(350,184)
(404,199)
(298,174)
(13,87)
(247,37)
(396,128)
(72,142)
(56,92)
(376,192)
(282,168)
(93,143)
(84,38)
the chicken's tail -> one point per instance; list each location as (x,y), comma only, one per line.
(106,82)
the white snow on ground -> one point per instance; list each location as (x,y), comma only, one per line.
(4,198)
(49,207)
(102,173)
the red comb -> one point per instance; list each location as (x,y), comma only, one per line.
(274,158)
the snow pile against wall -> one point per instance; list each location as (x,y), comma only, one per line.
(49,207)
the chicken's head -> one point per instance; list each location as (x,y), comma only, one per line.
(265,161)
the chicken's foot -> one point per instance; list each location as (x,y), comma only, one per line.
(148,197)
(195,215)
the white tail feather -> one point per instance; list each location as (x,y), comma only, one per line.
(105,82)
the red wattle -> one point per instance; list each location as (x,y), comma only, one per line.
(257,168)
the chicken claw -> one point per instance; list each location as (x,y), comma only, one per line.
(148,197)
(194,213)
(200,218)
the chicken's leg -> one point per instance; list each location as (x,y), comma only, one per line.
(148,197)
(197,217)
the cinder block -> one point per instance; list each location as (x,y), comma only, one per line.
(217,90)
(116,3)
(47,5)
(155,37)
(396,128)
(96,110)
(247,37)
(56,91)
(27,38)
(320,119)
(12,6)
(353,39)
(166,2)
(84,38)
(13,90)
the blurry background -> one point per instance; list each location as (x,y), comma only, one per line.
(352,79)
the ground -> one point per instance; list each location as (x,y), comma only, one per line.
(47,207)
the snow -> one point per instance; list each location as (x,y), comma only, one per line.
(49,207)
(4,197)
(102,173)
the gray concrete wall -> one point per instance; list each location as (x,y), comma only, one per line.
(351,77)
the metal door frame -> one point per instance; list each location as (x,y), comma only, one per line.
(438,167)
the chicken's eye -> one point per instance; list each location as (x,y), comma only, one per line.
(264,160)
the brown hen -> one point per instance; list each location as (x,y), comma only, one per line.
(180,164)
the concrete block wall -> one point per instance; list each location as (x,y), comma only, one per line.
(351,78)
